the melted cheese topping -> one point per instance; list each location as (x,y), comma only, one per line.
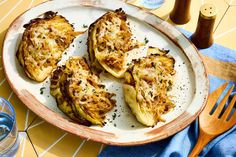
(42,45)
(112,42)
(87,96)
(57,89)
(150,78)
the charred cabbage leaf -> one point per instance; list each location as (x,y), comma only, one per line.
(110,43)
(57,89)
(43,42)
(146,85)
(82,91)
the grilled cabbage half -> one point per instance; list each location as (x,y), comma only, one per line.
(83,97)
(110,43)
(146,85)
(57,89)
(43,42)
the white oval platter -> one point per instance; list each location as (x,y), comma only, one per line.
(189,93)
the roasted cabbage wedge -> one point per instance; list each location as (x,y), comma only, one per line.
(110,43)
(82,91)
(57,89)
(146,86)
(43,42)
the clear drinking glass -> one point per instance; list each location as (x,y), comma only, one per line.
(8,129)
(151,4)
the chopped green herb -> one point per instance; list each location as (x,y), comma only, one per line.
(128,64)
(80,81)
(41,90)
(85,26)
(114,116)
(146,40)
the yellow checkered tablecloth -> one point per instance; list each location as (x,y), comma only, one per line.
(39,138)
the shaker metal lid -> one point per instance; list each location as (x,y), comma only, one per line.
(208,11)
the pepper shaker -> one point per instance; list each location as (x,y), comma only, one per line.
(181,12)
(203,36)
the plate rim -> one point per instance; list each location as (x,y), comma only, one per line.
(86,132)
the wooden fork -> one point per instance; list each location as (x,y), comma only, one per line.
(211,126)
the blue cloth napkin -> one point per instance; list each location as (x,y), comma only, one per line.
(180,144)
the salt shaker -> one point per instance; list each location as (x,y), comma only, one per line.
(181,12)
(203,36)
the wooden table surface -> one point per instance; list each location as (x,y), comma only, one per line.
(39,138)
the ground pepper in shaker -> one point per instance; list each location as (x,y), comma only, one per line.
(203,36)
(181,12)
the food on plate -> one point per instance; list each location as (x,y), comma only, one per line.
(79,93)
(146,86)
(57,89)
(110,43)
(43,42)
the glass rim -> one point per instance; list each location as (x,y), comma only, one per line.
(9,149)
(14,117)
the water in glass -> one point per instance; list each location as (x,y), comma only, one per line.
(8,129)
